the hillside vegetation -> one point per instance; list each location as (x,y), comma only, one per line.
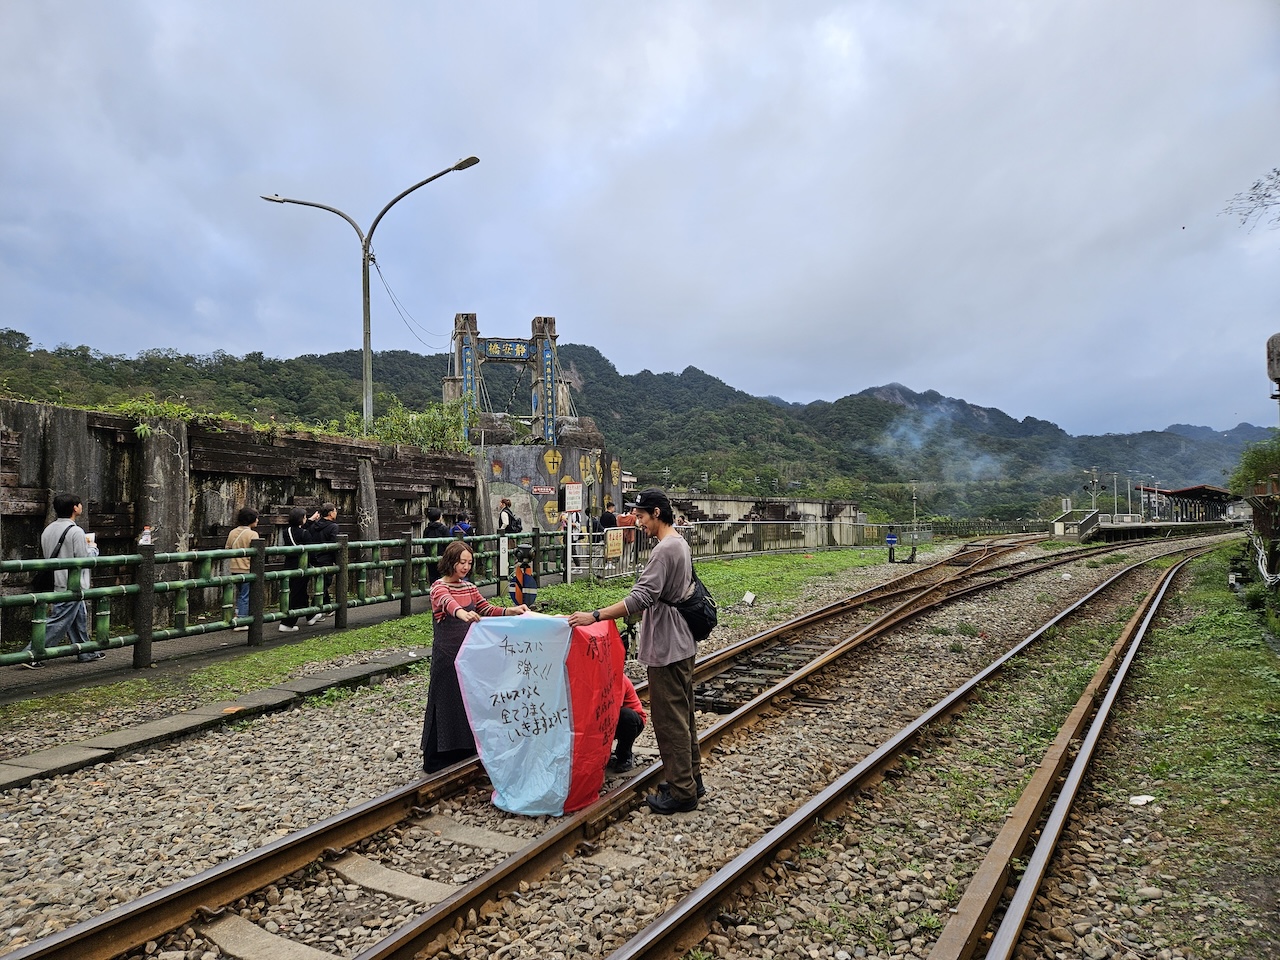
(674,428)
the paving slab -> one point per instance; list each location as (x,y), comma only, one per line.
(154,731)
(64,759)
(16,775)
(251,704)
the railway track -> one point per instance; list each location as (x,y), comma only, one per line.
(507,864)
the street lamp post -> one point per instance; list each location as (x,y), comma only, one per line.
(366,257)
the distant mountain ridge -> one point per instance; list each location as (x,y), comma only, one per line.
(690,429)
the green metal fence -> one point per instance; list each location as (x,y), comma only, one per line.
(157,606)
(366,572)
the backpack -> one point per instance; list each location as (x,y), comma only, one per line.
(515,525)
(699,609)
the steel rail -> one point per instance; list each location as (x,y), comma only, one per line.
(434,929)
(689,921)
(968,924)
(131,925)
(1010,929)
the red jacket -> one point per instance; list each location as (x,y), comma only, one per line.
(630,699)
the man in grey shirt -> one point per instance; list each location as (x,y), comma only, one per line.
(667,648)
(70,618)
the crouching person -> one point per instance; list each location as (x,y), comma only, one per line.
(631,720)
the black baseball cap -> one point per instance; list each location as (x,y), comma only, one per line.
(651,498)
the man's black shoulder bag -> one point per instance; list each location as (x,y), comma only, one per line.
(698,609)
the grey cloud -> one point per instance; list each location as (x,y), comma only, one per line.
(801,199)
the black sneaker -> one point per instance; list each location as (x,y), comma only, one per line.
(618,764)
(31,665)
(665,787)
(90,657)
(666,804)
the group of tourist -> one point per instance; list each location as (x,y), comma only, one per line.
(320,527)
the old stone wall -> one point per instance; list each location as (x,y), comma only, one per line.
(187,481)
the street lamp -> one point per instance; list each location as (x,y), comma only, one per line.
(366,257)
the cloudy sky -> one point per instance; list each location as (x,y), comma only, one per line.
(1016,203)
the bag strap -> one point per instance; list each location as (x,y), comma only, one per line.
(58,549)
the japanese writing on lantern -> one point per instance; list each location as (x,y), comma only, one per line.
(523,709)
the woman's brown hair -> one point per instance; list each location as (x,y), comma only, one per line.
(452,554)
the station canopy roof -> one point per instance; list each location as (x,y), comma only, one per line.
(1202,491)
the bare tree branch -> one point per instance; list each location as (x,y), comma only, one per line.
(1260,202)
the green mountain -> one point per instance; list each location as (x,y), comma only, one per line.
(688,429)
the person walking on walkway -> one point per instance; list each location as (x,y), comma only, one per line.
(667,648)
(323,528)
(295,535)
(64,538)
(240,538)
(505,516)
(436,529)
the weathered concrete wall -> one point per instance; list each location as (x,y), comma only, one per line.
(188,481)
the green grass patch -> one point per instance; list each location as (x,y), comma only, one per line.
(776,579)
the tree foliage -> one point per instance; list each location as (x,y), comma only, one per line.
(1258,462)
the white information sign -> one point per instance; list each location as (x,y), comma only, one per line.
(572,497)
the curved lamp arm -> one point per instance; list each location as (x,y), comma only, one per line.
(460,165)
(276,198)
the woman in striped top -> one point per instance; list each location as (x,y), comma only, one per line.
(456,603)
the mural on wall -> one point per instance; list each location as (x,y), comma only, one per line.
(542,472)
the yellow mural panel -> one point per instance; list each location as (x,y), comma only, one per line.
(553,459)
(552,512)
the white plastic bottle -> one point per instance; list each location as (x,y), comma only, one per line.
(146,536)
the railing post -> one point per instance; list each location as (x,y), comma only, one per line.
(257,591)
(340,585)
(144,605)
(406,577)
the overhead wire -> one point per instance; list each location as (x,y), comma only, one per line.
(405,317)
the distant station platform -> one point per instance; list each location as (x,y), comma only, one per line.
(1190,510)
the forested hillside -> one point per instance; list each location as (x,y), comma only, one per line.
(676,428)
